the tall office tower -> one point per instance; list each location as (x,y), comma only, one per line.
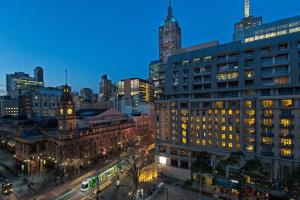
(106,89)
(39,74)
(154,79)
(169,36)
(247,22)
(19,81)
(238,96)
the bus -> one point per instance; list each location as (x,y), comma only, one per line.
(6,186)
(103,177)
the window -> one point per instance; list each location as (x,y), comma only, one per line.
(286,142)
(196,61)
(250,148)
(248,104)
(219,104)
(174,162)
(184,164)
(285,122)
(282,80)
(286,103)
(207,58)
(249,73)
(267,140)
(286,152)
(267,103)
(283,47)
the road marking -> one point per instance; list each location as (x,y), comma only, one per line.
(54,193)
(79,191)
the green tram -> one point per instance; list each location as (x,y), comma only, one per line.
(103,178)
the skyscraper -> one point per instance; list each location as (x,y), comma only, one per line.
(248,21)
(106,89)
(39,74)
(169,36)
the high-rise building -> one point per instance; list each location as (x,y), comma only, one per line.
(19,81)
(154,79)
(39,74)
(169,36)
(239,96)
(133,96)
(106,89)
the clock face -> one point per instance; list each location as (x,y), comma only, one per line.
(61,111)
(70,111)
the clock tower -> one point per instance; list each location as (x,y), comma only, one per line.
(67,120)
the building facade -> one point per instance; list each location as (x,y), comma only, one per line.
(239,96)
(73,140)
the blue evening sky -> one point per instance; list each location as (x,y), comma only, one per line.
(117,37)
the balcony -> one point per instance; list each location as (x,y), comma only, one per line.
(267,145)
(291,126)
(267,125)
(267,153)
(286,116)
(289,146)
(267,134)
(289,136)
(287,156)
(269,116)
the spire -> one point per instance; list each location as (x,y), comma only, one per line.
(66,72)
(247,8)
(170,10)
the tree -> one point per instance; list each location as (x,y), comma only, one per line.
(136,160)
(201,165)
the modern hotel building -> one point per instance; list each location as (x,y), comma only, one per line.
(240,96)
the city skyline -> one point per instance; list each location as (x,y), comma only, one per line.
(81,38)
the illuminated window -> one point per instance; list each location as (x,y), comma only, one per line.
(286,142)
(230,128)
(285,132)
(230,145)
(162,160)
(223,136)
(286,152)
(267,122)
(219,104)
(233,75)
(184,133)
(203,142)
(250,113)
(249,73)
(204,127)
(230,112)
(250,148)
(267,103)
(184,140)
(223,144)
(230,136)
(285,122)
(286,103)
(248,104)
(183,126)
(238,146)
(267,140)
(282,80)
(223,112)
(268,112)
(223,120)
(223,128)
(250,122)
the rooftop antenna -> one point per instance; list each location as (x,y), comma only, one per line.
(247,8)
